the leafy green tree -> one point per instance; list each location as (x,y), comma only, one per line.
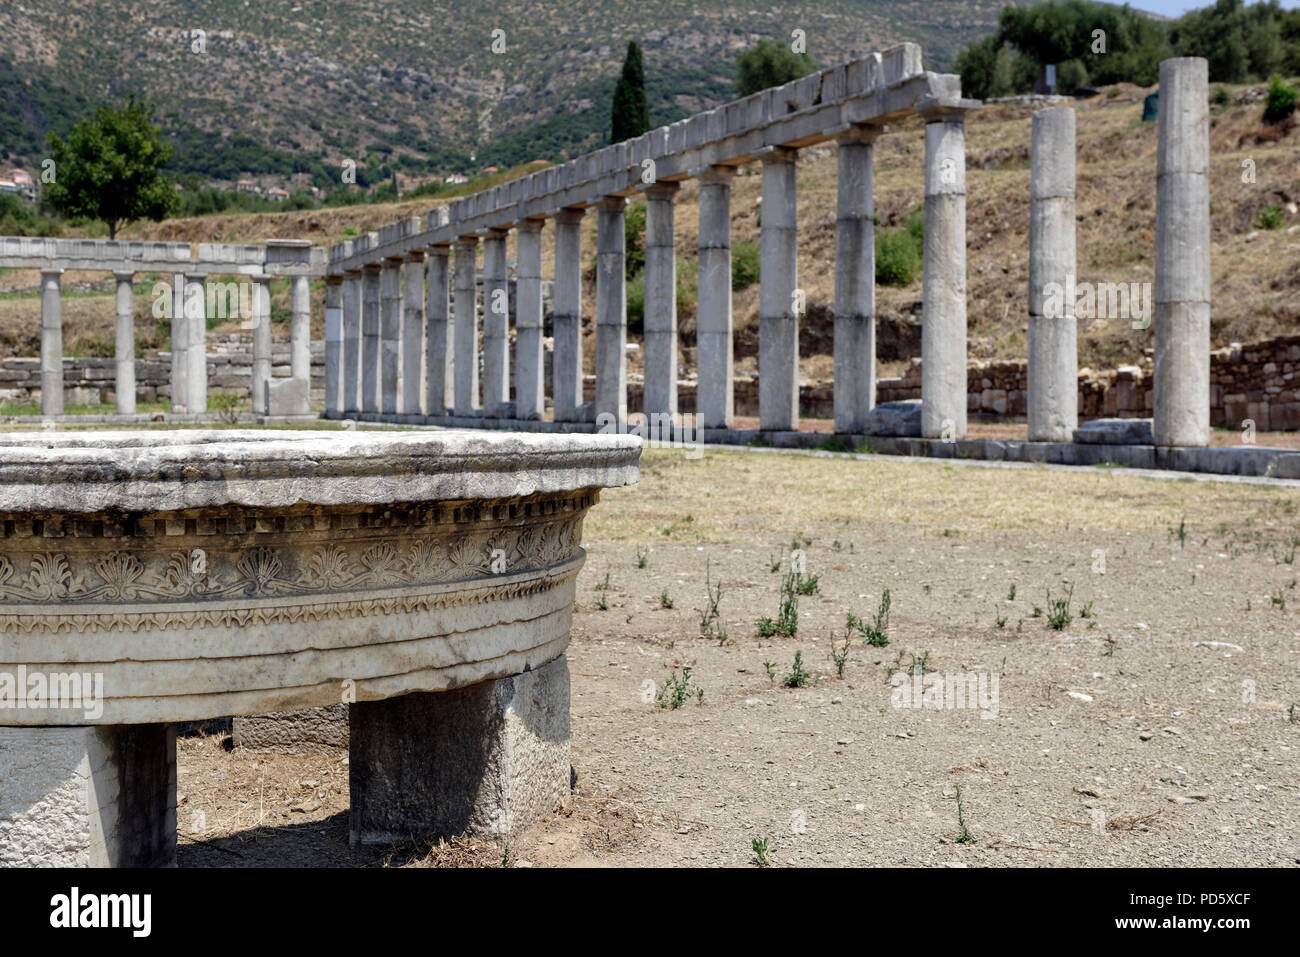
(1239,42)
(629,115)
(110,168)
(769,63)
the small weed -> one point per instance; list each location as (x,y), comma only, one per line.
(1291,716)
(642,557)
(840,653)
(664,600)
(1180,533)
(710,620)
(1278,598)
(874,633)
(1011,593)
(676,691)
(1086,611)
(806,585)
(770,668)
(923,663)
(964,836)
(1058,610)
(797,677)
(1000,621)
(603,588)
(1110,644)
(787,620)
(774,564)
(761,852)
(926,589)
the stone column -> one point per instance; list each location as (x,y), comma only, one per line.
(99,796)
(465,329)
(370,307)
(611,309)
(180,347)
(855,281)
(530,386)
(715,372)
(125,343)
(943,308)
(496,325)
(390,335)
(437,339)
(778,311)
(351,375)
(333,345)
(300,343)
(196,352)
(1053,401)
(413,333)
(660,328)
(487,759)
(1182,286)
(566,361)
(51,342)
(261,383)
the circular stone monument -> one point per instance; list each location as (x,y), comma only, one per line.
(426,579)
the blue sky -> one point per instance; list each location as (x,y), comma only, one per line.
(1173,8)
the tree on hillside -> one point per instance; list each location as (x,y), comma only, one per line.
(769,63)
(110,168)
(1239,42)
(629,115)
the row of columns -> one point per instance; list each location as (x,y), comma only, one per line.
(189,381)
(449,378)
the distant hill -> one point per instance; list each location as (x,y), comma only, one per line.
(285,87)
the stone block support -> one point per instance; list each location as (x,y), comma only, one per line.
(611,309)
(530,384)
(371,297)
(196,351)
(437,335)
(101,796)
(496,324)
(180,347)
(566,362)
(855,281)
(125,343)
(715,365)
(412,398)
(51,342)
(351,374)
(333,344)
(778,298)
(390,335)
(487,759)
(660,338)
(943,280)
(261,383)
(465,328)
(1053,372)
(1182,283)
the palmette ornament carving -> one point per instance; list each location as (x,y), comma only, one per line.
(41,589)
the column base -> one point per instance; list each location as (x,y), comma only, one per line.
(488,759)
(88,796)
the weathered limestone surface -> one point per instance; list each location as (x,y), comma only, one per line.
(88,796)
(1053,405)
(487,759)
(390,333)
(660,339)
(778,306)
(351,374)
(713,319)
(124,343)
(1182,280)
(855,281)
(496,324)
(293,732)
(437,337)
(566,363)
(530,381)
(261,345)
(333,345)
(465,329)
(413,295)
(371,299)
(611,310)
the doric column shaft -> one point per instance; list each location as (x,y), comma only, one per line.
(371,297)
(437,338)
(125,343)
(611,309)
(943,310)
(51,342)
(566,361)
(496,324)
(390,332)
(261,343)
(660,327)
(778,309)
(196,352)
(351,355)
(1053,405)
(715,368)
(530,387)
(300,328)
(855,281)
(465,329)
(412,398)
(333,344)
(1182,286)
(180,347)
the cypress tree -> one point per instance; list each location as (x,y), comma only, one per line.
(629,115)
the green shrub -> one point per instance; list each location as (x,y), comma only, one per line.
(1270,217)
(636,304)
(687,281)
(744,263)
(898,257)
(1281,100)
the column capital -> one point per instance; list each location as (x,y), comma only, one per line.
(414,256)
(531,225)
(334,279)
(666,189)
(368,267)
(570,214)
(52,272)
(467,242)
(127,276)
(936,110)
(777,154)
(614,204)
(864,134)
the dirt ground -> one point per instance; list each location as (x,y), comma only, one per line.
(1153,731)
